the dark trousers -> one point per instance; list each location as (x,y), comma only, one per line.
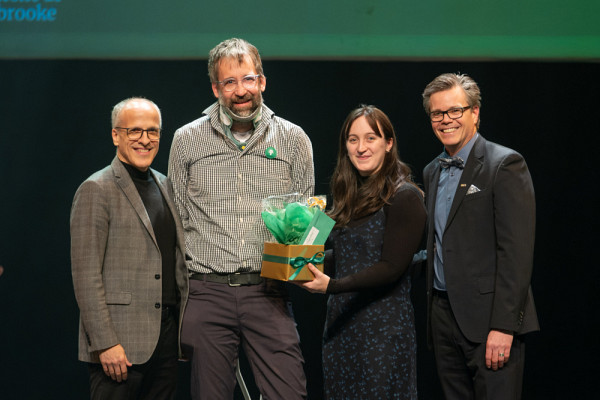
(461,363)
(155,379)
(219,317)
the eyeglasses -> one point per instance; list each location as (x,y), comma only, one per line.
(248,82)
(136,133)
(453,113)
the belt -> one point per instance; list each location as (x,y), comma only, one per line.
(442,294)
(235,279)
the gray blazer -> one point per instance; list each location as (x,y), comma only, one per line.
(115,262)
(488,242)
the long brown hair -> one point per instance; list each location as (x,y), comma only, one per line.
(354,200)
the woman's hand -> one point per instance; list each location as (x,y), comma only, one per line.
(317,285)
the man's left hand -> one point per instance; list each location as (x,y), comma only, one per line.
(497,349)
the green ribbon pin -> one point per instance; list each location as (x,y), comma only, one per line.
(270,152)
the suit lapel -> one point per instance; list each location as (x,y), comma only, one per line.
(472,168)
(128,187)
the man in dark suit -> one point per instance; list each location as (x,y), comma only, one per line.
(128,265)
(481,209)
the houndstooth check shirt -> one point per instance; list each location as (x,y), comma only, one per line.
(218,189)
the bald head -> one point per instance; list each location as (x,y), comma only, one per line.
(132,102)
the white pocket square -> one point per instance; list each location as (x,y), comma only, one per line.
(473,189)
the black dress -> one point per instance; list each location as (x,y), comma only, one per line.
(369,344)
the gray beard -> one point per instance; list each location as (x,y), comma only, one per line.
(240,118)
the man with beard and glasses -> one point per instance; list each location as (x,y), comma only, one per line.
(222,165)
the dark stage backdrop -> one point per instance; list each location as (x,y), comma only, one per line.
(55,118)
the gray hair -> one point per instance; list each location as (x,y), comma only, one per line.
(449,81)
(114,116)
(232,48)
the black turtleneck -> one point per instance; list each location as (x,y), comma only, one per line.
(163,226)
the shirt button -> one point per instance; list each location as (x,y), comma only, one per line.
(157,276)
(157,305)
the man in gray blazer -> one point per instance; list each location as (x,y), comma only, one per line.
(481,209)
(128,267)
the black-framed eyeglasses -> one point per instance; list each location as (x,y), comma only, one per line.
(136,133)
(248,82)
(453,113)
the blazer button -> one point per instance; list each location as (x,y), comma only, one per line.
(157,305)
(157,276)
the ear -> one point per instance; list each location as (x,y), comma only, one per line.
(115,137)
(215,88)
(263,83)
(475,110)
(389,145)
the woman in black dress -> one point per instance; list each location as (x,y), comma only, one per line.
(369,344)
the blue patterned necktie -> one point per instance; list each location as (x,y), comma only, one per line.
(451,162)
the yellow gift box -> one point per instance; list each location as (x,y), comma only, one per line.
(287,262)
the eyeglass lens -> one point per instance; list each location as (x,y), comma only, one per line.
(248,82)
(135,134)
(453,113)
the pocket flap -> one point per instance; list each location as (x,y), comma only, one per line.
(486,284)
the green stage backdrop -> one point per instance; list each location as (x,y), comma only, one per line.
(303,29)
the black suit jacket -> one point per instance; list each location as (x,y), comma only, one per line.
(487,243)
